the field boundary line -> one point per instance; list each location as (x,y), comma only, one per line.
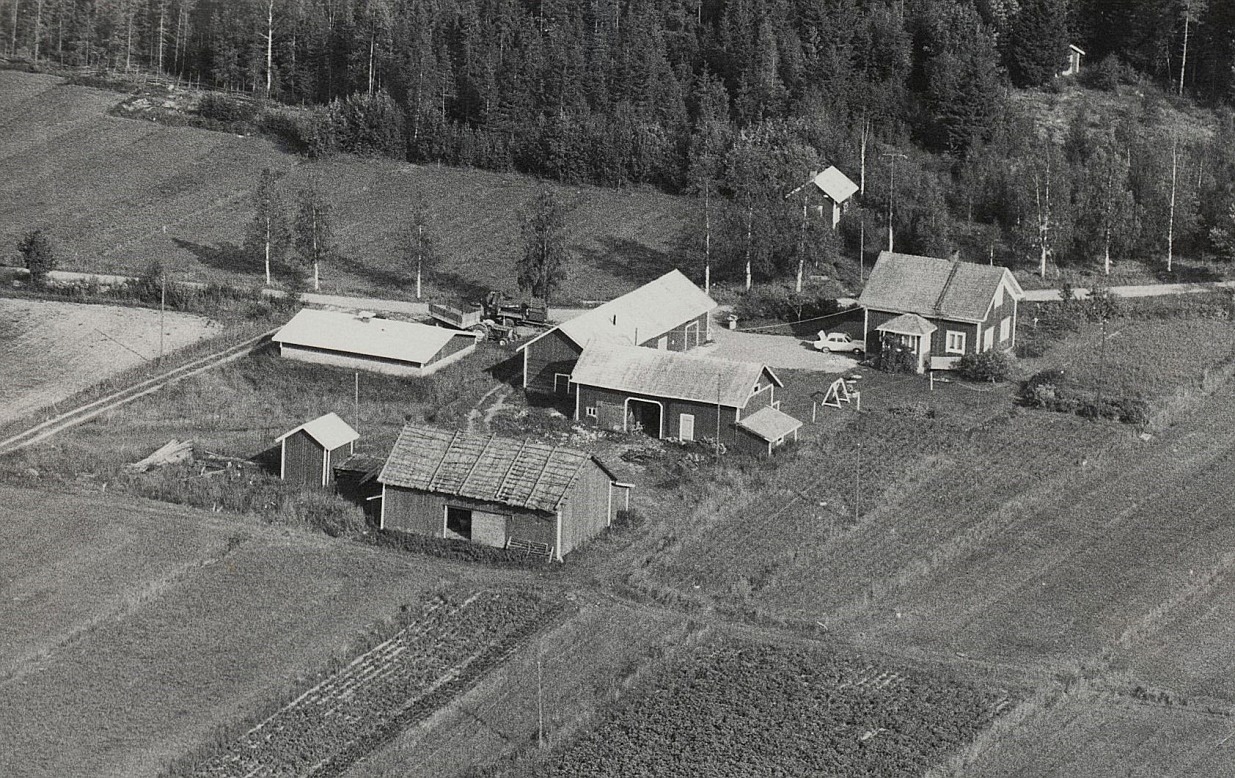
(81,414)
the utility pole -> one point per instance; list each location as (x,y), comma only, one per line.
(802,246)
(356,402)
(891,191)
(162,308)
(540,702)
(1170,227)
(750,210)
(862,174)
(1101,369)
(717,446)
(707,235)
(420,249)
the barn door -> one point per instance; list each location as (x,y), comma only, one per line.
(489,529)
(686,427)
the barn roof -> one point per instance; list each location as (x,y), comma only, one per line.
(651,310)
(907,324)
(401,341)
(936,288)
(329,431)
(835,184)
(669,374)
(771,424)
(523,474)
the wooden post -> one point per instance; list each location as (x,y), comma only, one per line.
(162,310)
(814,408)
(356,401)
(932,376)
(718,418)
(540,702)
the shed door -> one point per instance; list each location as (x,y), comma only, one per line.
(489,529)
(686,426)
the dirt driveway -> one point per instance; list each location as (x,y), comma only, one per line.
(783,351)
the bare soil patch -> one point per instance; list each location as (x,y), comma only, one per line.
(52,350)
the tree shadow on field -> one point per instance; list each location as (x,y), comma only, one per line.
(468,291)
(628,259)
(222,256)
(379,277)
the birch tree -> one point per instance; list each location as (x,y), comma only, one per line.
(314,234)
(269,233)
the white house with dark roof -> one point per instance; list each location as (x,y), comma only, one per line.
(366,342)
(309,453)
(669,314)
(835,188)
(497,491)
(939,309)
(668,394)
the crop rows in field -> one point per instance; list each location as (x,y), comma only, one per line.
(747,709)
(448,645)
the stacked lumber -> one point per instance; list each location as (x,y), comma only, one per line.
(170,453)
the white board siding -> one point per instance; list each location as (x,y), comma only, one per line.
(371,364)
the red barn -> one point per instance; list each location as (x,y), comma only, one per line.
(670,314)
(497,491)
(669,395)
(310,453)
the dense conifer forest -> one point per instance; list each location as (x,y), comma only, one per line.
(738,101)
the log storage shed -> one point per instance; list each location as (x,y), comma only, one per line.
(669,395)
(497,491)
(365,342)
(309,453)
(669,314)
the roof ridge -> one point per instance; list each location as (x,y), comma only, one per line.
(938,307)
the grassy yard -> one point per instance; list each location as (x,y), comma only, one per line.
(117,193)
(133,630)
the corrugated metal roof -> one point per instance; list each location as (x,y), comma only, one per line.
(770,423)
(523,474)
(835,184)
(907,324)
(935,287)
(669,374)
(649,311)
(383,338)
(329,431)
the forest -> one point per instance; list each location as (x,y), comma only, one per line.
(738,102)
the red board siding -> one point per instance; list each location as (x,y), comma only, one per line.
(585,513)
(302,460)
(705,413)
(553,353)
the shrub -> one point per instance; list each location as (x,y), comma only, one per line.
(362,124)
(461,550)
(226,109)
(296,130)
(894,358)
(782,303)
(993,366)
(1107,75)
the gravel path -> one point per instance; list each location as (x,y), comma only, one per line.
(783,351)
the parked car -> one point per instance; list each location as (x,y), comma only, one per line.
(838,341)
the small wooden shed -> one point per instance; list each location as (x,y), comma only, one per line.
(309,453)
(766,429)
(497,491)
(836,189)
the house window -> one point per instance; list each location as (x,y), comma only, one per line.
(561,383)
(1005,329)
(590,412)
(999,295)
(955,343)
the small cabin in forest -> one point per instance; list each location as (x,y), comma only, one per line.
(497,491)
(834,187)
(668,314)
(309,453)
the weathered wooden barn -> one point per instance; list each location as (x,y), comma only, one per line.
(833,188)
(309,453)
(765,430)
(668,394)
(670,314)
(497,491)
(366,342)
(939,309)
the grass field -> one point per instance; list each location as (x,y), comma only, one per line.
(132,630)
(117,193)
(51,350)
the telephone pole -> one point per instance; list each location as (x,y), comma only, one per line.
(893,156)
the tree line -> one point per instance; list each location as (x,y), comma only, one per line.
(734,101)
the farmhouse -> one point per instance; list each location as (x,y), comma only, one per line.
(365,342)
(938,309)
(497,491)
(309,454)
(667,394)
(670,314)
(836,189)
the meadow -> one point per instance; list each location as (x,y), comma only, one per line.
(138,630)
(116,194)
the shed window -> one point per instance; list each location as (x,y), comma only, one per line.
(955,342)
(590,412)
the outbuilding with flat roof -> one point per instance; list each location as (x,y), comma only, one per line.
(365,342)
